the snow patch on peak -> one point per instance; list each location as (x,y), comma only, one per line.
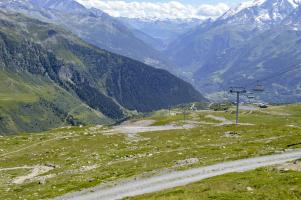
(257,3)
(295,3)
(242,6)
(261,11)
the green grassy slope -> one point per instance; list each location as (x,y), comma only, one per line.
(116,156)
(34,103)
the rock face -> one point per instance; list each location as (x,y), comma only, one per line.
(57,75)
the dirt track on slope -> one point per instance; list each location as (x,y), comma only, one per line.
(173,179)
(130,127)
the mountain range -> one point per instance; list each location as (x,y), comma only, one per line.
(91,25)
(50,78)
(253,41)
(56,58)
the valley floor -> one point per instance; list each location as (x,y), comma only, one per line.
(57,162)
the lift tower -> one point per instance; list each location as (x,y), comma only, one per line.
(238,91)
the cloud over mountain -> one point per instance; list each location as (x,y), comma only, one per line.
(169,10)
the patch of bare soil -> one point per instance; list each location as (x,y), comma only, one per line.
(225,121)
(36,171)
(187,162)
(134,127)
(292,166)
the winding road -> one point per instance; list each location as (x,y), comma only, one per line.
(173,179)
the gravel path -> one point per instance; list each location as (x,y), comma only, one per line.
(173,179)
(225,121)
(130,127)
(36,171)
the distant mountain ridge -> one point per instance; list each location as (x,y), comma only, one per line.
(92,25)
(252,41)
(163,31)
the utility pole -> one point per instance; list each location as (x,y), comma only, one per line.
(238,91)
(184,113)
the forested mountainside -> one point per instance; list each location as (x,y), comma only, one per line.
(50,78)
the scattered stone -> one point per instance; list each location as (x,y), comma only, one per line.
(91,180)
(231,134)
(284,170)
(291,166)
(186,162)
(293,126)
(88,168)
(50,165)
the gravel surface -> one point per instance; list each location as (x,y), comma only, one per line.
(143,126)
(139,186)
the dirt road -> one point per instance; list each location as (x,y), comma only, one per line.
(173,179)
(130,127)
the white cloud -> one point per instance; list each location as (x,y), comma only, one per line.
(170,10)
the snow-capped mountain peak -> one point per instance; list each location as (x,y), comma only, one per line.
(242,6)
(261,11)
